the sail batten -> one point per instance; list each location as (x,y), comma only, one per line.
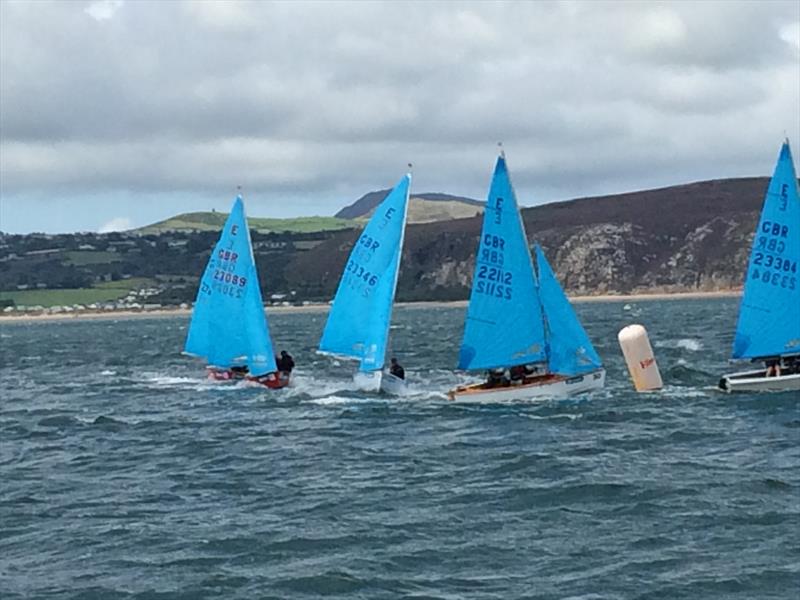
(768,323)
(229,326)
(359,320)
(504,325)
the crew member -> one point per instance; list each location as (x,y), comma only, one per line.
(397,370)
(773,367)
(285,362)
(517,373)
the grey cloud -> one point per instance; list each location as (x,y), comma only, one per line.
(308,98)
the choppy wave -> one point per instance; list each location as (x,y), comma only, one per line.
(126,473)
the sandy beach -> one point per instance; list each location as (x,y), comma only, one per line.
(316,308)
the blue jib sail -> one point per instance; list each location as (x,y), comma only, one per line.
(504,320)
(229,326)
(358,324)
(769,315)
(570,352)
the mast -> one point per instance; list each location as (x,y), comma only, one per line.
(535,272)
(397,269)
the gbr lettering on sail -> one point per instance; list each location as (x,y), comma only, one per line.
(770,266)
(493,280)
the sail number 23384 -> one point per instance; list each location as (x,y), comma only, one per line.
(768,265)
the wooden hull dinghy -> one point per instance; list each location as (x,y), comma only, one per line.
(519,321)
(539,388)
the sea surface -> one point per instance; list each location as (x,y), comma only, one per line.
(124,474)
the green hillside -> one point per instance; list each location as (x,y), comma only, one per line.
(213,221)
(102,292)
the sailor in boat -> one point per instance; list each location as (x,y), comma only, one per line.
(497,378)
(239,372)
(773,367)
(285,363)
(397,369)
(782,365)
(516,375)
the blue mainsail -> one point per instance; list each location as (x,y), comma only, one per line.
(570,352)
(229,326)
(504,325)
(769,314)
(358,324)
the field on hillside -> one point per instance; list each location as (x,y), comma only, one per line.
(103,292)
(91,257)
(213,221)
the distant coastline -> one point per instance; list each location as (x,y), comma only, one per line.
(316,308)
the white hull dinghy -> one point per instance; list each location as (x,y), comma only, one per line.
(757,381)
(358,323)
(520,326)
(393,385)
(768,328)
(367,381)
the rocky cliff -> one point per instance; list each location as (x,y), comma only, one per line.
(693,237)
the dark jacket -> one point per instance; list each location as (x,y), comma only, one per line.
(285,363)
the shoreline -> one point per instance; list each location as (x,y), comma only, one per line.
(316,308)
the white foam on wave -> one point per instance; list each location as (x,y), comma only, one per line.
(691,344)
(108,372)
(171,380)
(334,400)
(553,417)
(675,391)
(161,381)
(316,387)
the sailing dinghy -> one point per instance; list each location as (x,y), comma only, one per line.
(768,329)
(358,322)
(520,325)
(229,326)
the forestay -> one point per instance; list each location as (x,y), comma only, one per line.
(358,323)
(570,352)
(769,324)
(229,326)
(504,320)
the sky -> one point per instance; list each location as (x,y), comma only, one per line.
(116,114)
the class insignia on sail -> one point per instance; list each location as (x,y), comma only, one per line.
(229,326)
(768,327)
(358,323)
(520,327)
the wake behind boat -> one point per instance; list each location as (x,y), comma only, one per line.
(768,329)
(358,323)
(519,326)
(229,326)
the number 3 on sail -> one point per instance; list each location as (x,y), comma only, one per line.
(520,325)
